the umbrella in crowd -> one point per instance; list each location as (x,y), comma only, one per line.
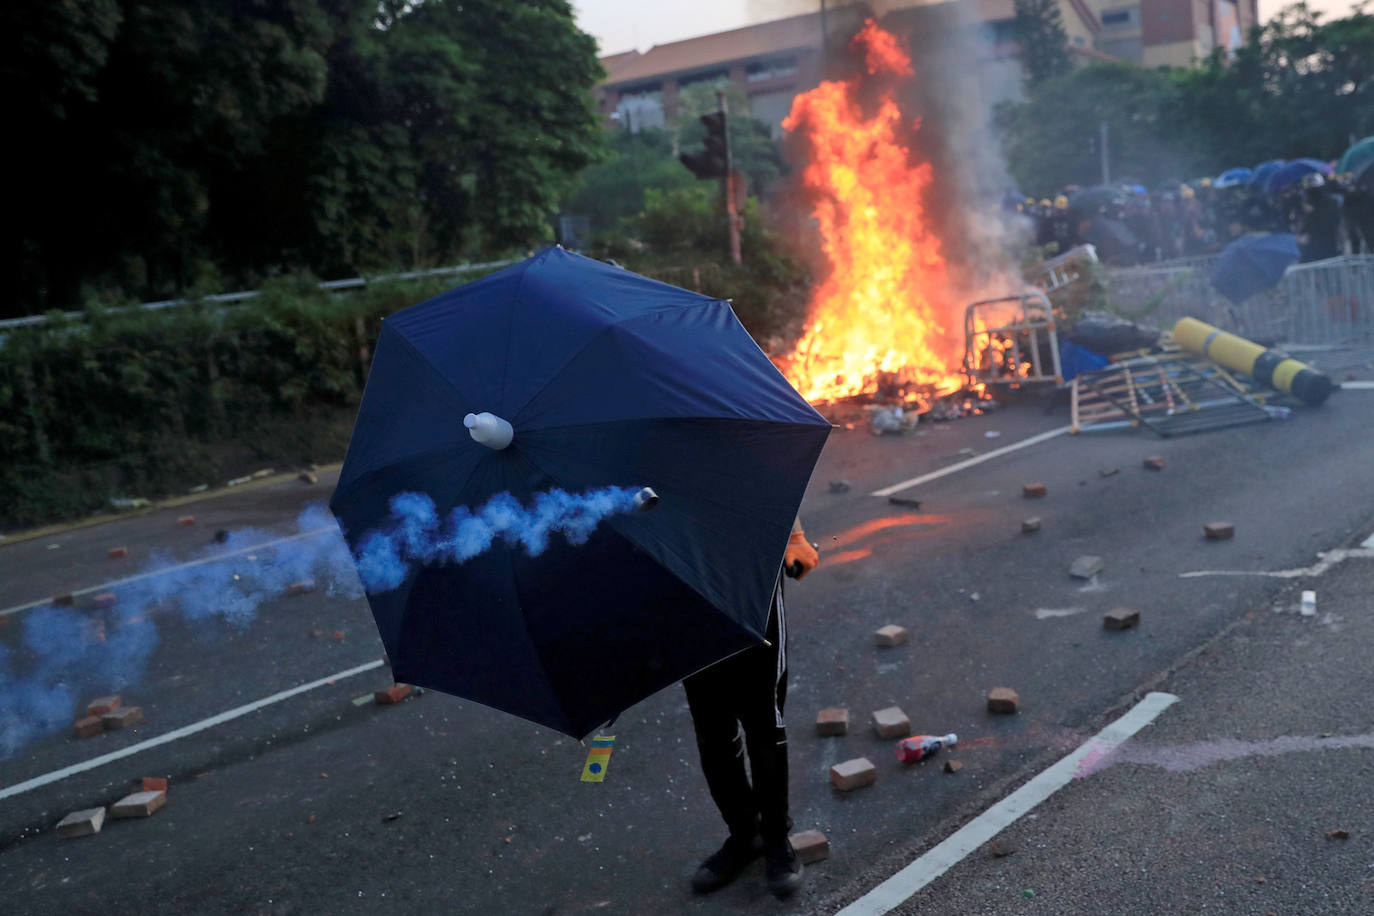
(560,376)
(1259,178)
(1353,159)
(1232,177)
(1112,238)
(1090,201)
(1253,263)
(1290,173)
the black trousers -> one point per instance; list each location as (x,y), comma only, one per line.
(737,703)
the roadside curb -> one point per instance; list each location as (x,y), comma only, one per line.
(170,503)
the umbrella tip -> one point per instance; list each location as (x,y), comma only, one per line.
(489,430)
(646,499)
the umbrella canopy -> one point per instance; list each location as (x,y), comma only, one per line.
(1260,176)
(1253,263)
(1355,157)
(1114,241)
(1290,173)
(1233,177)
(1090,201)
(607,380)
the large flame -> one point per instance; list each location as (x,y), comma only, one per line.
(880,309)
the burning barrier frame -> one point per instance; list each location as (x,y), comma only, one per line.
(1030,337)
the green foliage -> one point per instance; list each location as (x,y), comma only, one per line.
(614,190)
(1300,86)
(1044,43)
(171,140)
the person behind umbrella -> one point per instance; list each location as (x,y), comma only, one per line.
(745,693)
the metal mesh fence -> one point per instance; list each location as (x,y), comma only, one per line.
(1322,302)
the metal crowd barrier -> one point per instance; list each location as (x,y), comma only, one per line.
(1327,302)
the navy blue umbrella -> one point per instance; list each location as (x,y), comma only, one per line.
(608,382)
(1290,173)
(1232,177)
(1260,177)
(1253,263)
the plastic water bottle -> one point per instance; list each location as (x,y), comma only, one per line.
(919,747)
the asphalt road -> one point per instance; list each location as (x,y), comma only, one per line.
(293,808)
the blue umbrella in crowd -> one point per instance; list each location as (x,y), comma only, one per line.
(1293,172)
(1253,263)
(1233,177)
(491,482)
(1261,174)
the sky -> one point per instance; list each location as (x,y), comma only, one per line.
(620,25)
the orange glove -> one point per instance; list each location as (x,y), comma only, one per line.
(801,557)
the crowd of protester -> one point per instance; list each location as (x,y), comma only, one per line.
(1329,215)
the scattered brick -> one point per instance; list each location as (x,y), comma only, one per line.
(839,486)
(303,587)
(117,553)
(891,723)
(1001,848)
(1003,700)
(102,705)
(65,600)
(1086,567)
(393,694)
(139,804)
(1034,490)
(186,521)
(1338,834)
(1121,618)
(853,774)
(307,477)
(339,635)
(81,823)
(87,727)
(891,635)
(1154,463)
(123,717)
(105,599)
(810,846)
(154,783)
(831,722)
(1030,525)
(906,502)
(953,766)
(1219,531)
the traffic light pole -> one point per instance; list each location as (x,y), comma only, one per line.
(731,182)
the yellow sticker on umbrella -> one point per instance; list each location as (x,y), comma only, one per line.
(598,757)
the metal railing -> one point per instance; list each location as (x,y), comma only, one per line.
(221,298)
(1320,302)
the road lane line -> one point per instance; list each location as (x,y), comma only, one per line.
(897,889)
(970,462)
(1357,386)
(179,733)
(1328,560)
(1368,543)
(162,571)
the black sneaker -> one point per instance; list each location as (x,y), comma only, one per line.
(725,864)
(784,869)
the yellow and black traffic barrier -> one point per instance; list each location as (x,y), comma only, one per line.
(1274,368)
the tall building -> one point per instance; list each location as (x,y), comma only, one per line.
(1173,33)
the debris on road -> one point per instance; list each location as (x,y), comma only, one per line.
(1001,848)
(1308,606)
(919,747)
(1219,531)
(81,823)
(154,783)
(853,774)
(102,705)
(1030,525)
(811,846)
(1154,463)
(906,502)
(67,599)
(303,587)
(117,553)
(1108,472)
(123,717)
(391,695)
(1034,490)
(221,535)
(1003,700)
(1121,618)
(339,635)
(890,635)
(307,477)
(388,818)
(831,722)
(1085,567)
(261,473)
(87,727)
(186,521)
(139,804)
(237,481)
(953,766)
(839,486)
(1338,834)
(105,599)
(891,722)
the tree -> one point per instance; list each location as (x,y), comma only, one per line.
(1044,43)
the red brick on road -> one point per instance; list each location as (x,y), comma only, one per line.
(393,694)
(122,718)
(102,705)
(1003,700)
(88,727)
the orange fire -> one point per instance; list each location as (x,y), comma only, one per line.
(881,308)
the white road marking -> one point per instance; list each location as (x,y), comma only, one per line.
(1327,561)
(1045,613)
(114,583)
(179,733)
(970,462)
(897,889)
(1357,386)
(1368,543)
